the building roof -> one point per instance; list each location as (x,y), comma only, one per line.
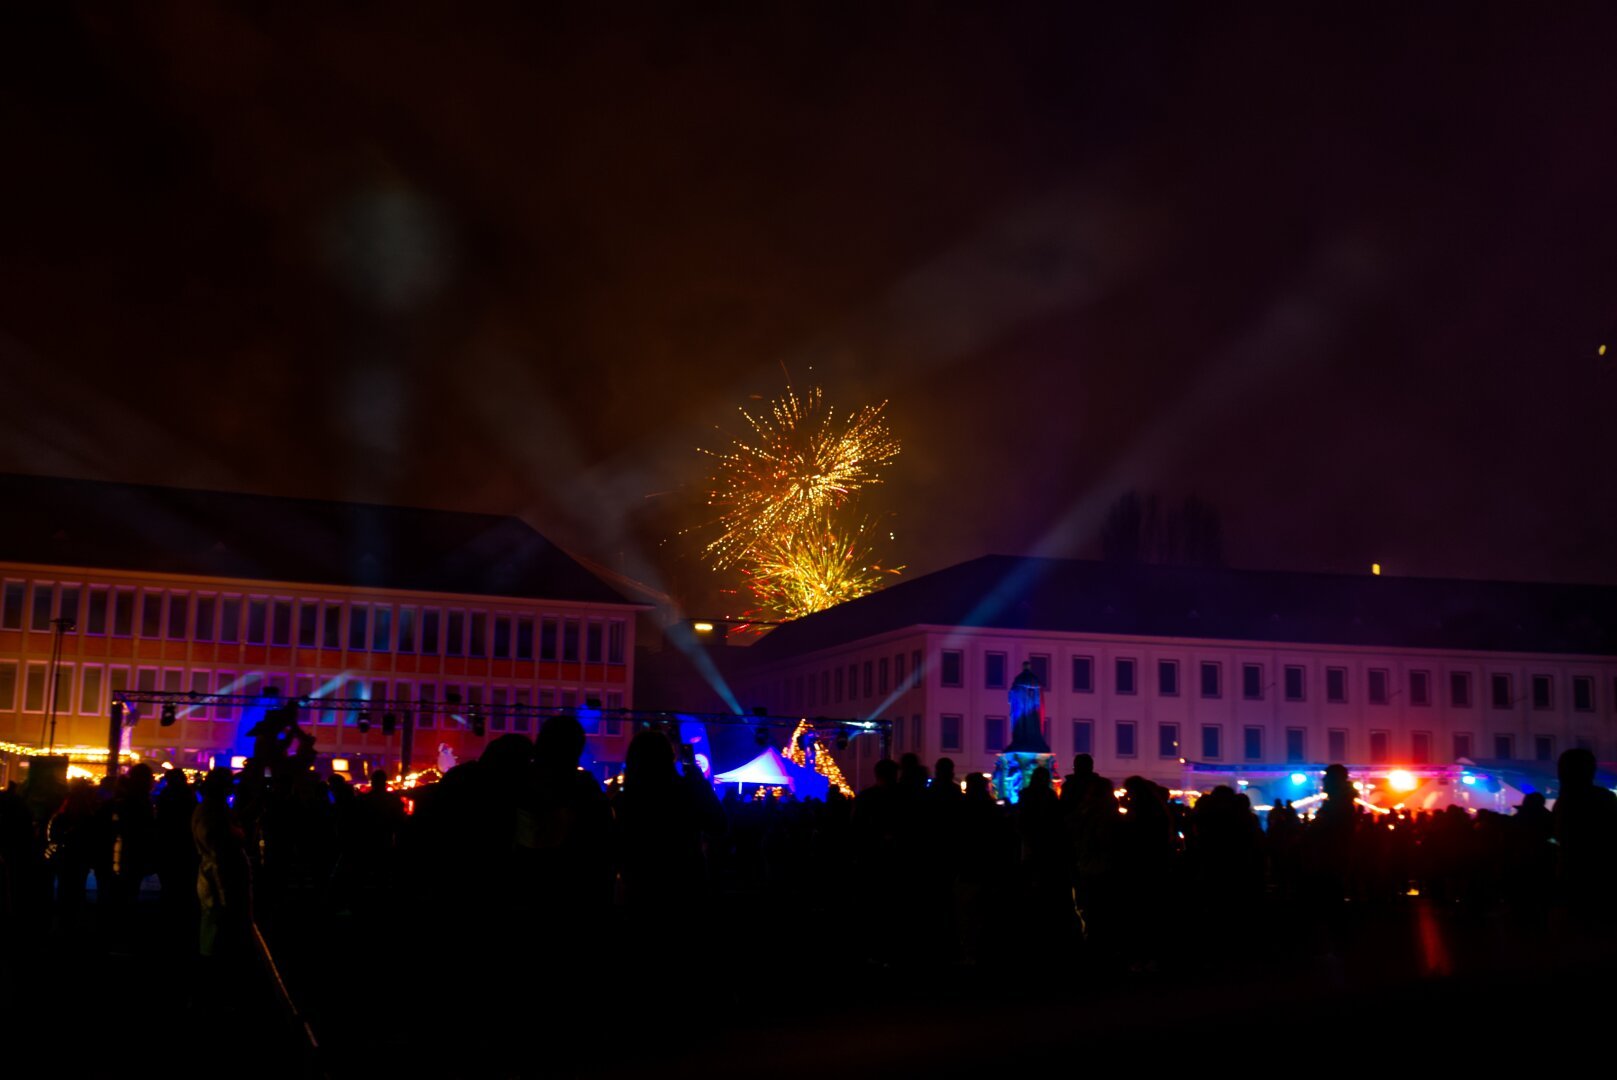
(1070,595)
(149,529)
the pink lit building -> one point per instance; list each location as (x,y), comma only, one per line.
(177,590)
(1154,670)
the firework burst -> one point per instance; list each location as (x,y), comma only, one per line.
(815,568)
(800,464)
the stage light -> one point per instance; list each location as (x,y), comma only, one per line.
(1299,778)
(1468,780)
(169,715)
(1402,780)
(339,764)
(760,735)
(703,627)
(364,722)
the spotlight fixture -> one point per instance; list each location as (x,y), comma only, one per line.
(364,721)
(169,715)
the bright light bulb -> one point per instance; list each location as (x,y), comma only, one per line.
(1402,780)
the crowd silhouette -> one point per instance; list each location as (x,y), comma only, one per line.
(520,861)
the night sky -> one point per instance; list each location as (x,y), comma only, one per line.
(1342,275)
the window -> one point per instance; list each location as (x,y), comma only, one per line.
(1296,745)
(44,604)
(1212,742)
(837,684)
(424,695)
(548,638)
(881,676)
(1460,689)
(949,733)
(381,627)
(917,735)
(825,688)
(1336,685)
(358,627)
(151,615)
(1420,688)
(870,679)
(257,621)
(123,613)
(1377,691)
(1083,736)
(617,633)
(950,670)
(199,685)
(1041,669)
(308,623)
(592,642)
(1212,679)
(1380,747)
(525,637)
(994,670)
(1252,743)
(1500,691)
(146,680)
(993,734)
(1125,738)
(117,683)
(1583,693)
(1167,740)
(1123,675)
(173,680)
(1336,745)
(281,624)
(1168,678)
(430,619)
(455,633)
(569,641)
(1252,682)
(1504,747)
(1083,674)
(496,709)
(331,625)
(226,684)
(477,644)
(521,720)
(407,632)
(1296,686)
(898,671)
(8,683)
(69,609)
(230,620)
(95,624)
(206,618)
(15,597)
(915,667)
(1462,745)
(502,637)
(1420,747)
(1543,748)
(1542,697)
(853,681)
(89,691)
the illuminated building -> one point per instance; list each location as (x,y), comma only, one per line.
(1154,669)
(179,590)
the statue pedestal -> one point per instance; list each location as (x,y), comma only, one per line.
(1014,768)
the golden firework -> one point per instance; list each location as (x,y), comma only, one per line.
(812,569)
(801,463)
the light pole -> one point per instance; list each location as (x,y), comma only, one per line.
(62,626)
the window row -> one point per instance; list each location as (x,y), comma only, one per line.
(874,678)
(96,686)
(325,624)
(1212,747)
(1255,686)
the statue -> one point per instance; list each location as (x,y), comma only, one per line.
(1027,716)
(1028,749)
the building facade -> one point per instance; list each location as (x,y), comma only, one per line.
(117,587)
(1373,672)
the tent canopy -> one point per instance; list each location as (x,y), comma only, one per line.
(767,768)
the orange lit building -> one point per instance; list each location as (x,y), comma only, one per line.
(165,589)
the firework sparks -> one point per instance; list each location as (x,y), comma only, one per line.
(801,462)
(814,569)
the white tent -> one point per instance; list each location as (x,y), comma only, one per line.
(767,768)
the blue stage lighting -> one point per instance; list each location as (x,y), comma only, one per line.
(1299,778)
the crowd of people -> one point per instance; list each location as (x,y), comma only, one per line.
(527,859)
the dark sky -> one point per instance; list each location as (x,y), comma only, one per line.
(1342,275)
